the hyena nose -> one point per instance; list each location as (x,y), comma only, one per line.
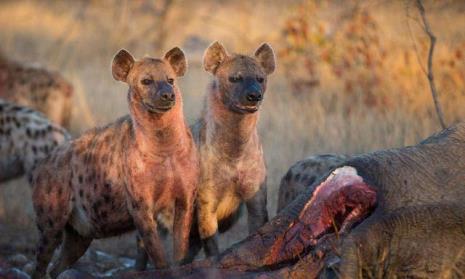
(167,96)
(254,96)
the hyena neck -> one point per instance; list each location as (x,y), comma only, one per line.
(230,133)
(158,133)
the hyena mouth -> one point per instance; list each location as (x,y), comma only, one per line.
(158,108)
(246,108)
(339,203)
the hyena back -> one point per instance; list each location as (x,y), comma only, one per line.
(26,137)
(303,175)
(37,88)
(122,176)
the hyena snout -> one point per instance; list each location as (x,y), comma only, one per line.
(162,98)
(254,96)
(168,96)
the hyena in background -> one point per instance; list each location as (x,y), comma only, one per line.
(303,174)
(122,176)
(232,166)
(26,137)
(37,88)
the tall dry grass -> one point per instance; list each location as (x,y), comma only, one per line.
(349,78)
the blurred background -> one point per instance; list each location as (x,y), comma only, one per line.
(350,77)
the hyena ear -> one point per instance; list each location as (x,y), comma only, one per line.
(176,58)
(265,56)
(214,56)
(121,65)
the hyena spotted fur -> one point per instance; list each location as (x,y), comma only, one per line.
(232,165)
(26,137)
(122,176)
(303,174)
(37,88)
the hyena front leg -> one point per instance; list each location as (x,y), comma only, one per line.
(142,257)
(208,223)
(181,227)
(144,221)
(256,209)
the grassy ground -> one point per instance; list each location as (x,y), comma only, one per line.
(347,82)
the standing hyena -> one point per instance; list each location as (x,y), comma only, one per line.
(37,88)
(231,156)
(26,137)
(304,174)
(124,175)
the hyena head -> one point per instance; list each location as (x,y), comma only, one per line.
(152,81)
(241,79)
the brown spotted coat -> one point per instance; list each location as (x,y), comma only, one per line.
(122,176)
(37,88)
(26,137)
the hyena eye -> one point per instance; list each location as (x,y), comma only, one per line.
(146,81)
(260,79)
(170,81)
(235,78)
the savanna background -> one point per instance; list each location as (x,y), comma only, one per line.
(350,77)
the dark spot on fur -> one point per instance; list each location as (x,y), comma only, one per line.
(40,210)
(50,223)
(96,206)
(288,176)
(57,236)
(135,205)
(297,176)
(103,214)
(312,179)
(105,159)
(81,193)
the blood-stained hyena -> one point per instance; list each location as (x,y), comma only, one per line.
(303,174)
(232,165)
(122,176)
(43,90)
(26,137)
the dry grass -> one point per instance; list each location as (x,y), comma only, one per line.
(346,82)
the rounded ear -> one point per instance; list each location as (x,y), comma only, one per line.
(121,65)
(176,58)
(265,56)
(213,57)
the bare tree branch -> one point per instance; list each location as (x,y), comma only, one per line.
(430,76)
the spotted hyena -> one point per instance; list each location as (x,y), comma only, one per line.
(303,174)
(37,88)
(26,137)
(122,176)
(232,166)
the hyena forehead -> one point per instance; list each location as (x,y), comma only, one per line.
(152,68)
(241,64)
